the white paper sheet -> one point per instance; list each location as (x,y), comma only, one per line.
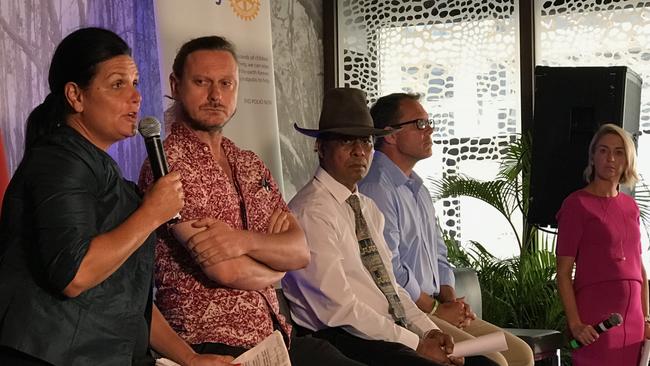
(493,342)
(166,362)
(269,352)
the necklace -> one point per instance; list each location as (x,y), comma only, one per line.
(619,224)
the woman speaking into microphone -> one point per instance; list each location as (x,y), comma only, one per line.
(76,244)
(599,232)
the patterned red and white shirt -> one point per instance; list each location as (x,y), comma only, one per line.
(199,309)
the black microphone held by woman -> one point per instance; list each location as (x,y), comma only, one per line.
(149,128)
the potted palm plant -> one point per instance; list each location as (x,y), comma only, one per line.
(518,292)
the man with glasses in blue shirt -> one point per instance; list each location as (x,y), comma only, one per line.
(419,252)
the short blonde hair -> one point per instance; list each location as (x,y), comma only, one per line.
(629,177)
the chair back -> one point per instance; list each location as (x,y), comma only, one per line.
(467,285)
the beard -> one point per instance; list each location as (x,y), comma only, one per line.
(199,125)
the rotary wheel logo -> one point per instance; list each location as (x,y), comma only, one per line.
(246,9)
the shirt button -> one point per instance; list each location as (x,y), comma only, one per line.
(206,149)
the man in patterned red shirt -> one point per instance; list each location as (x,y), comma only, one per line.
(215,269)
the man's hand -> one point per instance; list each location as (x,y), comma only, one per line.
(452,312)
(437,347)
(469,314)
(218,242)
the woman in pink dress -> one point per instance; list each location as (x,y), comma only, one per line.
(598,231)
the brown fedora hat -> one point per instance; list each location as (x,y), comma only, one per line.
(344,112)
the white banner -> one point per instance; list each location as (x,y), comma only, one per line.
(247,24)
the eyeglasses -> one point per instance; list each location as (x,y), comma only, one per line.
(420,123)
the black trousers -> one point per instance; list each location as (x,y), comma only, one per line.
(304,351)
(382,353)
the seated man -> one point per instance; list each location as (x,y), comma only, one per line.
(348,294)
(419,253)
(236,238)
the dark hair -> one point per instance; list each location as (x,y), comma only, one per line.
(75,60)
(386,111)
(212,43)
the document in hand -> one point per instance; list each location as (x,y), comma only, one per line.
(270,352)
(493,342)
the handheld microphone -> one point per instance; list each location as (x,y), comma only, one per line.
(614,320)
(149,128)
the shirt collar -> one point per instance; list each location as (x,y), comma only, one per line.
(180,129)
(338,190)
(395,174)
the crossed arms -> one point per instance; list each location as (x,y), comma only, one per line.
(245,259)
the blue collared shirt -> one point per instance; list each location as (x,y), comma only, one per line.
(419,253)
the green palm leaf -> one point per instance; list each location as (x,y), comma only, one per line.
(517,292)
(500,194)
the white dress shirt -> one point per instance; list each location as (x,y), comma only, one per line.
(335,289)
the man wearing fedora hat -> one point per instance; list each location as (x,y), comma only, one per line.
(216,268)
(347,294)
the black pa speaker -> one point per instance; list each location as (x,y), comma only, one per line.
(570,104)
